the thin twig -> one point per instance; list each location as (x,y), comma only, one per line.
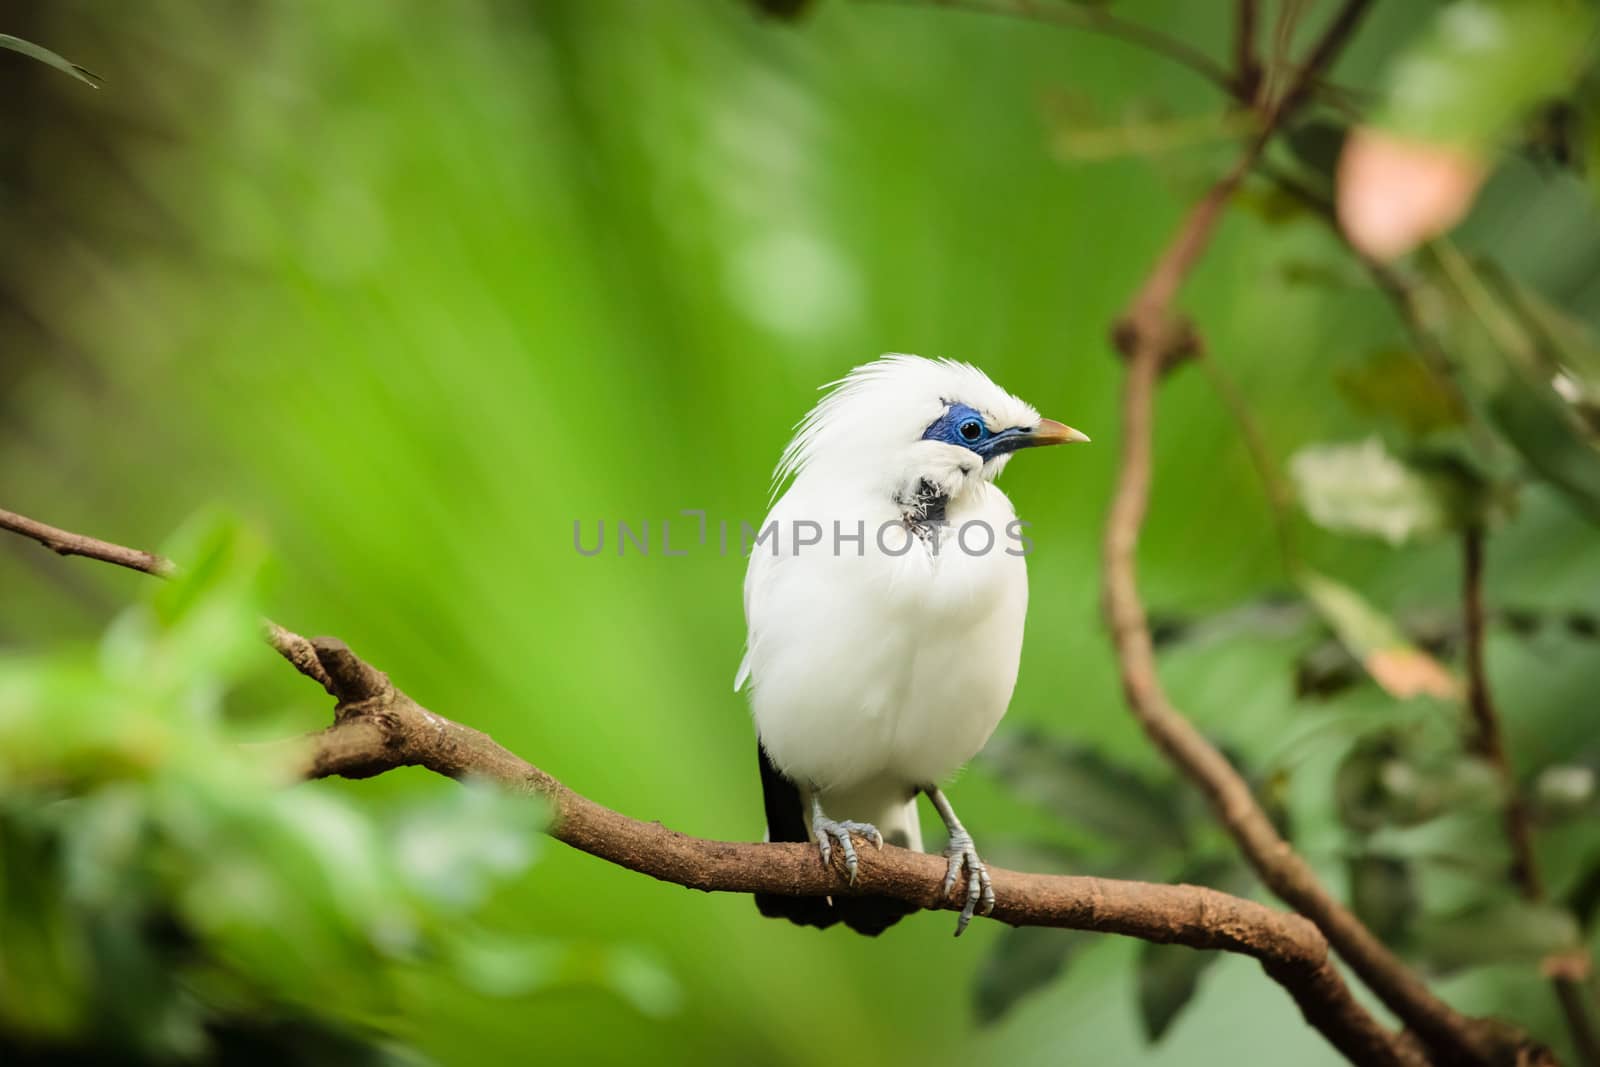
(378,728)
(66,543)
(1488,741)
(1246,62)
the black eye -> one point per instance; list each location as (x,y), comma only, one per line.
(971,430)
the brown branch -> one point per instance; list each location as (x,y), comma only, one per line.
(378,728)
(1246,62)
(66,543)
(1488,741)
(1149,335)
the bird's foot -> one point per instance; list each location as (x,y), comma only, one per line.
(980,893)
(827,831)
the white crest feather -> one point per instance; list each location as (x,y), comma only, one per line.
(883,405)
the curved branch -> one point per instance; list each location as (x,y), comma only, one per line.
(1151,337)
(378,728)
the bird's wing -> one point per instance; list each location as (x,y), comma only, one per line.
(762,562)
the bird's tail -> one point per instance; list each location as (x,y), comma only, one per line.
(891,811)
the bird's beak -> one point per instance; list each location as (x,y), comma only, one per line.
(1051,432)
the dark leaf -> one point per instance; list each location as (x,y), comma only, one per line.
(1272,615)
(1168,976)
(1085,789)
(781,9)
(1383,893)
(1397,385)
(1583,899)
(1317,144)
(1025,959)
(49,58)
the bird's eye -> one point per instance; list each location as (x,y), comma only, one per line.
(971,430)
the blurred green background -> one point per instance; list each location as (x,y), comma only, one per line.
(414,287)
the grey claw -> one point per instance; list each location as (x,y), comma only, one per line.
(980,889)
(824,829)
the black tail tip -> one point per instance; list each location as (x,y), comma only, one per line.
(869,916)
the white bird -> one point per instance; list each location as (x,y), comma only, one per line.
(884,601)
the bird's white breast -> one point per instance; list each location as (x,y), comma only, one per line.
(881,666)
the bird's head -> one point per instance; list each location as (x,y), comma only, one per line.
(901,412)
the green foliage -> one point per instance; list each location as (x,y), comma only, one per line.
(1398,386)
(420,285)
(1137,828)
(1512,350)
(1169,975)
(161,888)
(1482,65)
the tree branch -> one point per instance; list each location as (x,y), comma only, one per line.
(378,728)
(66,543)
(1246,62)
(1149,335)
(1488,741)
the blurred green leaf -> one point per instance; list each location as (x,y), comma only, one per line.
(157,883)
(1508,931)
(1083,788)
(1397,385)
(1510,379)
(1363,489)
(452,852)
(1396,780)
(1400,667)
(1482,65)
(1383,894)
(1024,960)
(1168,977)
(49,58)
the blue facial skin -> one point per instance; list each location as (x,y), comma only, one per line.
(963,427)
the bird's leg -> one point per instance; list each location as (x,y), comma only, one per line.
(961,852)
(827,831)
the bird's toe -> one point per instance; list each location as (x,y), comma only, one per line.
(979,895)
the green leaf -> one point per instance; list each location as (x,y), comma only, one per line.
(1317,145)
(1168,977)
(1482,65)
(1508,368)
(1025,959)
(1397,385)
(1083,788)
(1508,931)
(49,58)
(1383,894)
(1400,667)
